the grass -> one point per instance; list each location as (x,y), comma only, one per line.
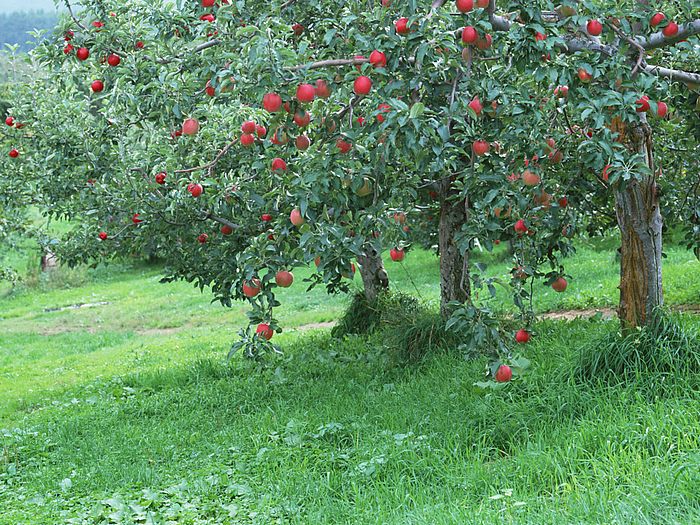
(126,413)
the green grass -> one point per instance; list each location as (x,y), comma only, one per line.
(127,413)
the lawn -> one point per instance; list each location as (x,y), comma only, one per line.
(125,411)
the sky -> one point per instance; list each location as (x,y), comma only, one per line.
(8,6)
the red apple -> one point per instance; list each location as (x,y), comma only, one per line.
(272,102)
(202,238)
(266,217)
(302,118)
(483,4)
(397,254)
(485,42)
(208,3)
(584,75)
(343,146)
(642,104)
(68,49)
(469,35)
(594,27)
(298,29)
(377,59)
(464,6)
(160,177)
(248,127)
(139,44)
(209,89)
(305,93)
(136,219)
(207,17)
(476,106)
(103,236)
(480,147)
(97,86)
(383,108)
(559,285)
(302,142)
(503,374)
(284,279)
(657,19)
(561,91)
(195,189)
(278,164)
(190,126)
(10,121)
(264,331)
(296,217)
(401,26)
(661,109)
(83,53)
(260,131)
(670,30)
(540,37)
(322,90)
(247,140)
(530,178)
(563,202)
(520,227)
(226,229)
(522,336)
(251,288)
(113,60)
(13,153)
(362,85)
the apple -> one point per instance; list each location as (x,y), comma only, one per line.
(399,217)
(208,3)
(202,238)
(469,35)
(670,30)
(226,229)
(160,177)
(520,227)
(68,35)
(13,153)
(317,261)
(266,217)
(302,118)
(113,60)
(284,279)
(97,24)
(483,4)
(302,142)
(103,236)
(584,75)
(642,104)
(82,53)
(594,27)
(503,374)
(397,254)
(522,336)
(190,126)
(298,29)
(10,121)
(476,106)
(97,86)
(484,43)
(464,6)
(280,137)
(139,44)
(207,17)
(272,102)
(343,146)
(377,59)
(260,131)
(657,19)
(561,91)
(362,85)
(530,178)
(136,219)
(563,202)
(401,26)
(322,89)
(662,109)
(209,89)
(383,108)
(264,331)
(305,93)
(248,127)
(540,37)
(195,189)
(247,140)
(296,217)
(68,49)
(251,288)
(278,164)
(559,285)
(480,147)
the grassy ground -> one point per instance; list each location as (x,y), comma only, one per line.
(126,412)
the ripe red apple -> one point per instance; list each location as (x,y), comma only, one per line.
(202,238)
(397,254)
(377,59)
(401,26)
(483,4)
(82,53)
(264,331)
(657,19)
(530,178)
(278,164)
(464,6)
(136,219)
(266,217)
(343,146)
(160,177)
(139,44)
(296,217)
(113,60)
(251,288)
(208,3)
(485,42)
(469,35)
(284,279)
(561,91)
(362,85)
(476,106)
(642,104)
(13,153)
(298,29)
(563,202)
(207,17)
(383,108)
(317,261)
(190,126)
(209,89)
(662,109)
(480,147)
(248,127)
(522,336)
(97,86)
(305,93)
(97,24)
(559,285)
(260,131)
(670,30)
(10,121)
(540,37)
(280,137)
(103,236)
(584,75)
(520,227)
(503,374)
(247,140)
(68,49)
(322,89)
(195,189)
(226,229)
(302,142)
(594,27)
(302,118)
(272,102)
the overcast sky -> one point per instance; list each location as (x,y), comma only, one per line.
(7,6)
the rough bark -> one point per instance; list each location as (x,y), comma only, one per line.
(454,267)
(640,222)
(374,276)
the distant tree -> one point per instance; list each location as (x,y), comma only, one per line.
(15,27)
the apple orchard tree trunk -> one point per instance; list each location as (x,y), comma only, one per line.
(640,222)
(374,276)
(454,269)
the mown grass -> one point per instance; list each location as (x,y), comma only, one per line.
(127,413)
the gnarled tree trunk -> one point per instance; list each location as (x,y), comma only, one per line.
(374,276)
(454,267)
(640,222)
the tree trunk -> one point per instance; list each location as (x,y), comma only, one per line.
(374,276)
(454,267)
(640,222)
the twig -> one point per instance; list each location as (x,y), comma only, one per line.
(336,62)
(287,4)
(72,15)
(633,42)
(210,165)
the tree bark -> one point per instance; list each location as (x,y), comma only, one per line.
(640,222)
(374,276)
(454,267)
